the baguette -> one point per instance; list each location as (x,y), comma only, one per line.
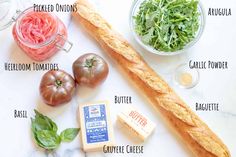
(194,132)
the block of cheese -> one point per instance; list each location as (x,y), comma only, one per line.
(96,126)
(136,122)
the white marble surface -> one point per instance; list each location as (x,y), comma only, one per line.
(19,90)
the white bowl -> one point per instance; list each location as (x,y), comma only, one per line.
(135,9)
(184,69)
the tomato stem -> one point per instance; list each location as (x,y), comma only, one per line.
(89,63)
(58,83)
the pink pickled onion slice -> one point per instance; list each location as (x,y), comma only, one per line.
(37,27)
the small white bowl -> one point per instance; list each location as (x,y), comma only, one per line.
(183,69)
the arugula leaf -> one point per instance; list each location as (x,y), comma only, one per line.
(167,25)
(69,134)
(47,139)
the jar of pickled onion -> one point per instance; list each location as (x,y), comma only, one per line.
(39,34)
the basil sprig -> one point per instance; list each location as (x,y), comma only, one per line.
(45,132)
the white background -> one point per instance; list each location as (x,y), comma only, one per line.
(19,90)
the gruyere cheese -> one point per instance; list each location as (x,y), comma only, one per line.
(137,123)
(96,127)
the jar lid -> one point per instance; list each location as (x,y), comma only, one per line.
(8,12)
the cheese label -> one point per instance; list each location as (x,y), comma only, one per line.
(96,123)
(96,127)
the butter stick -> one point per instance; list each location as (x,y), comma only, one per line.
(96,127)
(136,122)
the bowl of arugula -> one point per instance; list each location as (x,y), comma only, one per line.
(167,27)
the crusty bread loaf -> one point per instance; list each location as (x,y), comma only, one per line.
(195,133)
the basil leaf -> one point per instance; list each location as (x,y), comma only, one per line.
(45,132)
(47,139)
(42,122)
(69,134)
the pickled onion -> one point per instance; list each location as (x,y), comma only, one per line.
(37,27)
(38,34)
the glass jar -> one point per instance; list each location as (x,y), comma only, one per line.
(39,34)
